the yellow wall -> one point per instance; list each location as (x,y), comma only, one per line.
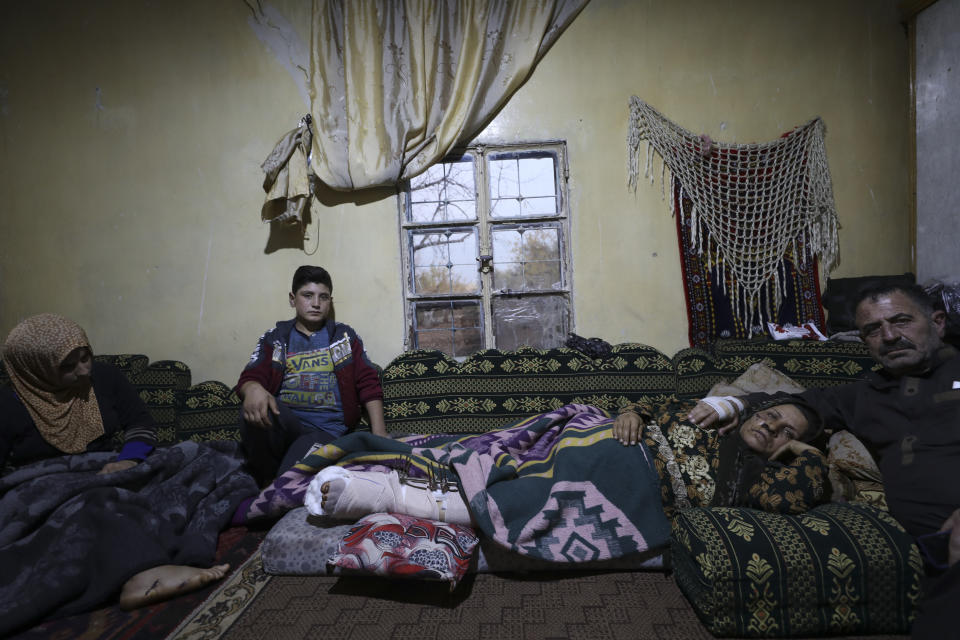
(131,134)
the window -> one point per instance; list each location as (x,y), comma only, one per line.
(485,250)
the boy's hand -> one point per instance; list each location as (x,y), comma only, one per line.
(258,404)
(627,428)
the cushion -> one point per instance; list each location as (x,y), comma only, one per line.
(160,385)
(208,411)
(402,546)
(839,569)
(132,364)
(493,557)
(758,377)
(300,544)
(854,476)
(812,364)
(697,372)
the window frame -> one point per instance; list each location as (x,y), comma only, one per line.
(483,225)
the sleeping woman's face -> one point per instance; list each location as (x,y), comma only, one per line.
(769,429)
(75,369)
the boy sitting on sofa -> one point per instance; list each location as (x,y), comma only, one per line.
(306,381)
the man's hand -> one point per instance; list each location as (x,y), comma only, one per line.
(117,465)
(952,524)
(795,447)
(627,428)
(258,404)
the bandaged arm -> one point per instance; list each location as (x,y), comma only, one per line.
(727,407)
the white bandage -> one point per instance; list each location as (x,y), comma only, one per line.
(363,492)
(727,407)
(366,492)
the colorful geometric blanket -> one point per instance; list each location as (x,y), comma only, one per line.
(555,486)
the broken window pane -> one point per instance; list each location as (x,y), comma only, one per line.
(536,321)
(452,327)
(541,259)
(507,260)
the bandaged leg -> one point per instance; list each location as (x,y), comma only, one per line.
(340,493)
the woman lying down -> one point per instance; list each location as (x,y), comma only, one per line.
(562,486)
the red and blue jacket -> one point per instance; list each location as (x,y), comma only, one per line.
(357,377)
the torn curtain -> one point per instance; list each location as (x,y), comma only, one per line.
(394,86)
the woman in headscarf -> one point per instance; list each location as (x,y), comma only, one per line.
(61,401)
(766,462)
(117,531)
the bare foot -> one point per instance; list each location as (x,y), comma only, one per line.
(166,581)
(330,492)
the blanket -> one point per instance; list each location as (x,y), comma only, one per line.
(69,538)
(556,486)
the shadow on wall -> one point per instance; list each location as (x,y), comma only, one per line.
(291,236)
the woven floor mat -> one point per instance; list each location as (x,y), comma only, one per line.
(629,605)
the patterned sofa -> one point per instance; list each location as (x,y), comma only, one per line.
(428,392)
(841,569)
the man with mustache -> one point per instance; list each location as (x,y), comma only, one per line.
(908,416)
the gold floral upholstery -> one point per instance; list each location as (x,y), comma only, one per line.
(839,569)
(205,411)
(428,392)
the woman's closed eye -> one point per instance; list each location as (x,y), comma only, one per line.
(771,419)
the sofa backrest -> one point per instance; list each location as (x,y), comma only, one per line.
(183,411)
(811,363)
(160,385)
(429,392)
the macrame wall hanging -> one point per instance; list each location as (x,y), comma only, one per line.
(754,218)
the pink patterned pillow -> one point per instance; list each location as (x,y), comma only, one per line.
(401,546)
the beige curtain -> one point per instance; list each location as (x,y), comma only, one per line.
(396,84)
